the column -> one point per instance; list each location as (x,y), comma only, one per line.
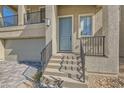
(1,19)
(21,12)
(54,29)
(111,28)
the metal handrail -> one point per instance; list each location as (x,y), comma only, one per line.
(34,17)
(45,55)
(93,45)
(97,42)
(82,56)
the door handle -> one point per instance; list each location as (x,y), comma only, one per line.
(70,38)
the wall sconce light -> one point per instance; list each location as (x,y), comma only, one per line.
(47,22)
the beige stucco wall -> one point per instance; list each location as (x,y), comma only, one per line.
(54,29)
(109,63)
(1,41)
(121,31)
(33,30)
(34,8)
(1,20)
(75,11)
(48,29)
(1,49)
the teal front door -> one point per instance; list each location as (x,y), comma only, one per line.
(65,33)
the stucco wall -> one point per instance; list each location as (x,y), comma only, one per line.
(48,29)
(121,31)
(75,11)
(34,8)
(32,30)
(109,63)
(1,20)
(1,49)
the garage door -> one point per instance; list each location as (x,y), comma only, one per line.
(24,49)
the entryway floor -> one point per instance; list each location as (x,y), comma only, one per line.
(12,74)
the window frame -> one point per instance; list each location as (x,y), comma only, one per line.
(79,25)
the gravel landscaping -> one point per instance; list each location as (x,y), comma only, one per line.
(100,81)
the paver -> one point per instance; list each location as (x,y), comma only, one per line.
(11,74)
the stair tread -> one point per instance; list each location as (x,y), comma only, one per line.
(57,71)
(66,79)
(64,64)
(52,60)
(70,75)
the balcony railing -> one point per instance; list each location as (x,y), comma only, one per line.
(93,46)
(34,17)
(9,21)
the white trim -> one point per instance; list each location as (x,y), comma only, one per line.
(72,16)
(89,14)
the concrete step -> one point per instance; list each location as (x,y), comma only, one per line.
(67,82)
(61,71)
(60,60)
(64,73)
(65,67)
(66,56)
(65,64)
(74,61)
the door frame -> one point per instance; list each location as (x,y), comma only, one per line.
(64,16)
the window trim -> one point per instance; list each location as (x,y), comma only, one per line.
(79,16)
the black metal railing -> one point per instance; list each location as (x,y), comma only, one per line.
(34,17)
(46,54)
(82,56)
(9,21)
(93,45)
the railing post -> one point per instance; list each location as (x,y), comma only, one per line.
(103,46)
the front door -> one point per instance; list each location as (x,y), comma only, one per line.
(65,33)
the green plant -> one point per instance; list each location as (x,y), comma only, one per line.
(37,76)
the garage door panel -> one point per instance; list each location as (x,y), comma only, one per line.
(24,49)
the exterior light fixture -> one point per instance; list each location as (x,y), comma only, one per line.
(47,22)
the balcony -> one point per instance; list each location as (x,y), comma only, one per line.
(29,18)
(33,26)
(34,17)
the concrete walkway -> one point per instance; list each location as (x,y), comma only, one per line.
(12,73)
